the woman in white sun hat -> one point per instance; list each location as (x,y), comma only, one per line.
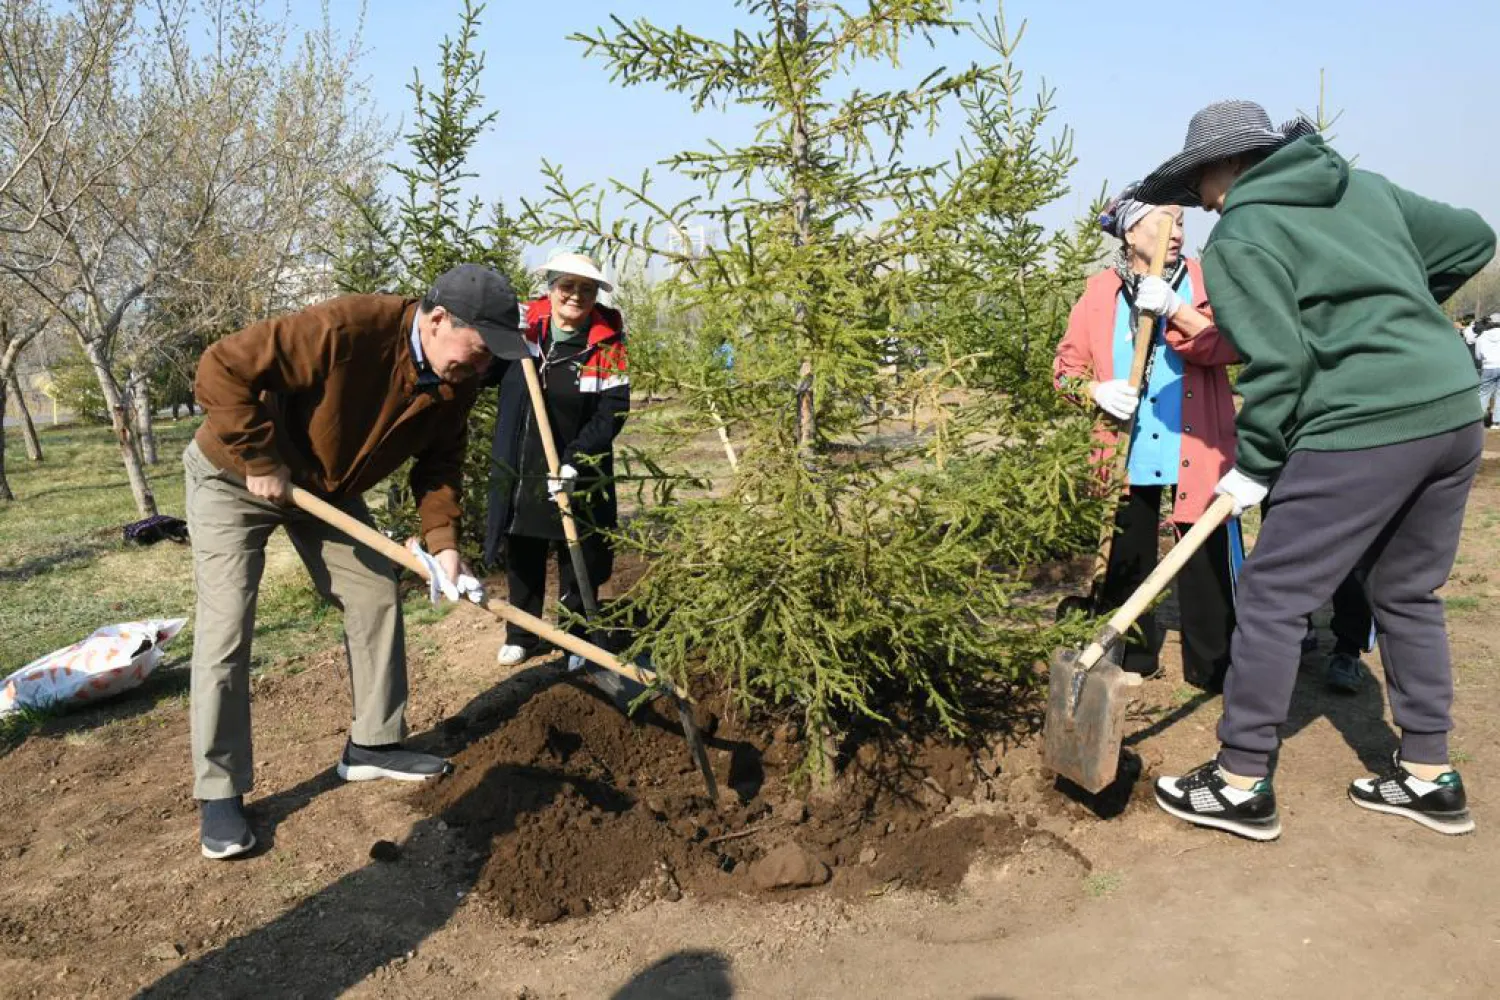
(579,349)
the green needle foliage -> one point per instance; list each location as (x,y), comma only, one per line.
(858,565)
(403,244)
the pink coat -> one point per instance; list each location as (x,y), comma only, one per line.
(1208,441)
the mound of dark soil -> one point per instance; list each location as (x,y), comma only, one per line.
(574,807)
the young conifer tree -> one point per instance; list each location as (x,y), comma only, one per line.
(848,571)
(403,244)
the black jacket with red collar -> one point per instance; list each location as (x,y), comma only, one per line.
(586,387)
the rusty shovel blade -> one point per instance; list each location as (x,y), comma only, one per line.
(1086,719)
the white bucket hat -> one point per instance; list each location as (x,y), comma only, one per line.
(577,264)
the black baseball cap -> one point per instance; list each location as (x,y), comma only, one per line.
(482,298)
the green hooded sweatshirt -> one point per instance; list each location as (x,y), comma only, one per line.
(1327,280)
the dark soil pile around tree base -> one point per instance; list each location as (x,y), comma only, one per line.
(569,807)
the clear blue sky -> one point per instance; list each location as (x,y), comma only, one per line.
(1412,79)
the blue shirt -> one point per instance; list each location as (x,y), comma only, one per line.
(1156,447)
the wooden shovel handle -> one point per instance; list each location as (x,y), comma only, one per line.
(1146,323)
(549,447)
(1120,622)
(398,554)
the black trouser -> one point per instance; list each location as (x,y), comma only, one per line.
(1351,616)
(1205,591)
(526,572)
(1401,528)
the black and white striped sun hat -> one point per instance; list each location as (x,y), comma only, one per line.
(1219,131)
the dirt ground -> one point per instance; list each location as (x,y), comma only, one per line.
(573,855)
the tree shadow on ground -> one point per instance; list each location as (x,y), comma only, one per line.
(68,557)
(111,485)
(683,975)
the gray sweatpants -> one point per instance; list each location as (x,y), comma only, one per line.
(229,528)
(1396,512)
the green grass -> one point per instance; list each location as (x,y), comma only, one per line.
(65,570)
(1101,884)
(1461,605)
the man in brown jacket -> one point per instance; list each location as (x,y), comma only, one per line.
(334,398)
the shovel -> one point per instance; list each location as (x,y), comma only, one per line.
(1087,693)
(397,553)
(622,692)
(1145,333)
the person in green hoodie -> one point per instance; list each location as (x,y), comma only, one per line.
(1360,420)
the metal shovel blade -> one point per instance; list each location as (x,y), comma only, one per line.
(1086,720)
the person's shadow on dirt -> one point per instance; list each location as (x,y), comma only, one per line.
(683,975)
(380,914)
(1359,718)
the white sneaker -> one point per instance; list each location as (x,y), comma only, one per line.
(509,655)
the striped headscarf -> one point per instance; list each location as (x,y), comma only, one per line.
(1121,214)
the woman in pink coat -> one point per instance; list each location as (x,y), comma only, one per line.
(1182,426)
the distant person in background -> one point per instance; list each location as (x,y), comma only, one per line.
(1483,339)
(1183,429)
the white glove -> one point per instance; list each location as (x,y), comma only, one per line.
(563,483)
(470,589)
(438,584)
(1116,398)
(1246,492)
(439,587)
(1155,296)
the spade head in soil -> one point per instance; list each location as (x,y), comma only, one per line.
(1086,718)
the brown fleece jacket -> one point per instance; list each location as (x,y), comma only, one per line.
(331,392)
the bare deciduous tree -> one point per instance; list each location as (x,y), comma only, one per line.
(18,328)
(213,172)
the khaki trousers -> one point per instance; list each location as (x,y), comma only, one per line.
(229,528)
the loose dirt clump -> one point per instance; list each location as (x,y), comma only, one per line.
(570,808)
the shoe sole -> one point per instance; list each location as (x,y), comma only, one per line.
(228,852)
(1228,826)
(1450,829)
(369,772)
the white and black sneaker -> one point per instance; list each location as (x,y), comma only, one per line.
(1439,805)
(390,761)
(1202,797)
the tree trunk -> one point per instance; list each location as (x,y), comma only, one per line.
(119,412)
(807,422)
(139,393)
(5,493)
(28,428)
